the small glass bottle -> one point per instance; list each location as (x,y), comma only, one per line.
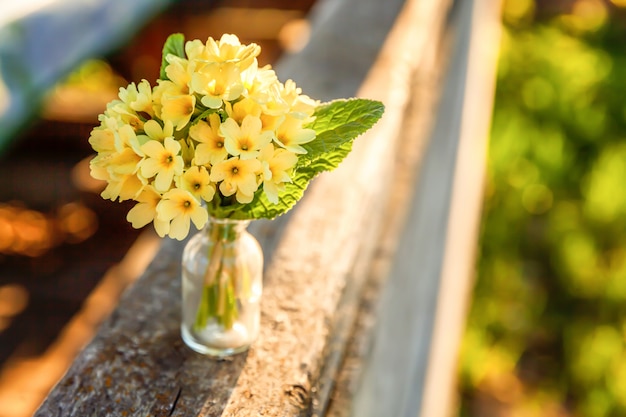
(221,288)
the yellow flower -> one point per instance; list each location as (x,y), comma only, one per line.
(196,50)
(124,163)
(242,108)
(122,186)
(126,138)
(173,104)
(154,130)
(178,109)
(246,140)
(102,140)
(196,180)
(291,135)
(229,49)
(124,115)
(238,177)
(118,164)
(300,106)
(163,162)
(277,166)
(274,109)
(178,72)
(258,82)
(145,212)
(180,207)
(211,149)
(138,97)
(217,82)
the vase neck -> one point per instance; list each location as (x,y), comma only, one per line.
(225,229)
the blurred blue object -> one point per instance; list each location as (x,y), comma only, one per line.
(41,41)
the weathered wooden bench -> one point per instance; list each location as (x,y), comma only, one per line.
(367,279)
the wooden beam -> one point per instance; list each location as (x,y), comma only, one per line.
(410,367)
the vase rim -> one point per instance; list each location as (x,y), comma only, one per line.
(223,220)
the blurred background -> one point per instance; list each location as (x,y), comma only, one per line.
(546,334)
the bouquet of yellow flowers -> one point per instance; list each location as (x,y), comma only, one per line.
(220,130)
(218,136)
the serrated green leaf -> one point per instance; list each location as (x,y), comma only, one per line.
(338,122)
(175,45)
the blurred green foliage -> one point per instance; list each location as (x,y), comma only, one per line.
(546,334)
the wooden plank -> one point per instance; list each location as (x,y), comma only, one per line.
(410,368)
(463,223)
(424,93)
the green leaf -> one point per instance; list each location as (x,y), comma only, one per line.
(337,124)
(175,45)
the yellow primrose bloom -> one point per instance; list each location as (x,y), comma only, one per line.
(180,207)
(102,140)
(178,72)
(172,103)
(300,105)
(246,140)
(291,135)
(97,169)
(138,97)
(154,130)
(125,162)
(109,122)
(274,109)
(197,181)
(271,122)
(211,149)
(277,166)
(258,82)
(145,212)
(196,50)
(124,187)
(163,162)
(243,108)
(178,109)
(124,115)
(126,138)
(238,177)
(217,82)
(229,49)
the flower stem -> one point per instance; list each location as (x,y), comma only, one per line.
(221,284)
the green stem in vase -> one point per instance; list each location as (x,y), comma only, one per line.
(218,300)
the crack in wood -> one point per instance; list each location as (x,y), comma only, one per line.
(180,390)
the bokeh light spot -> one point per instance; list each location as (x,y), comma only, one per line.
(515,11)
(13,300)
(537,93)
(587,16)
(537,198)
(77,221)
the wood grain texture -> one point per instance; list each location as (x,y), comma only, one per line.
(137,365)
(411,367)
(328,247)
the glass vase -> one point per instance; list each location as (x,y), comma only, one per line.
(221,288)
